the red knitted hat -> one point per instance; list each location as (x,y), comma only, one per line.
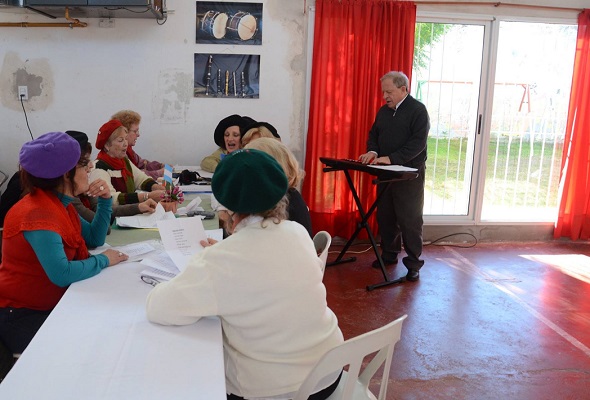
(105,132)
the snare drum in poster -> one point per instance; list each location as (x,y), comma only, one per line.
(229,23)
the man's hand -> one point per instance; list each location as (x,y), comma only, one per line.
(382,160)
(367,158)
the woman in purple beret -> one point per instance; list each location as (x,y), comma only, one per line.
(45,242)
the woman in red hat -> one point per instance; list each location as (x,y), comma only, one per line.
(113,166)
(45,242)
(130,120)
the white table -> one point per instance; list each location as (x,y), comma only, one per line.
(98,344)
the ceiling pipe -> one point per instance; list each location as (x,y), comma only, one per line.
(74,23)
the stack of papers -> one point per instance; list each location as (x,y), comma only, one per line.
(146,220)
(160,268)
(136,251)
(181,239)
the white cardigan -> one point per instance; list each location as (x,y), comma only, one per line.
(139,177)
(265,283)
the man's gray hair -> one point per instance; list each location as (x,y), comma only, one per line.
(398,78)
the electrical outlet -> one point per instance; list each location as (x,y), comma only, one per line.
(106,23)
(23,93)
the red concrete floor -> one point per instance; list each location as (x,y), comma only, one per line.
(494,321)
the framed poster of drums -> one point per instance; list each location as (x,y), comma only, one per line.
(227,75)
(229,22)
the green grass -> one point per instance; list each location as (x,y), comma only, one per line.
(508,181)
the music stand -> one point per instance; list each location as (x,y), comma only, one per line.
(384,176)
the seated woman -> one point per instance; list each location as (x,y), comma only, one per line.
(297,210)
(87,205)
(45,241)
(113,166)
(130,120)
(264,282)
(228,137)
(258,130)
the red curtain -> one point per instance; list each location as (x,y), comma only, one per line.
(574,209)
(355,43)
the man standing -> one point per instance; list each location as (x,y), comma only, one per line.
(398,136)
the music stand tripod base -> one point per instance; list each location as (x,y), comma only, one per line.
(383,178)
(386,283)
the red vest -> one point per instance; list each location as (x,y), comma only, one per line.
(23,281)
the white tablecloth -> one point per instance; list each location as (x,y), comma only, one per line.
(98,344)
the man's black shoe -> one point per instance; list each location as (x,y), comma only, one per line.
(386,262)
(413,275)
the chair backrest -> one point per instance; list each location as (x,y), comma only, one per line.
(351,353)
(3,179)
(322,241)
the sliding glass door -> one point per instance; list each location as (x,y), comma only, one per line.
(497,94)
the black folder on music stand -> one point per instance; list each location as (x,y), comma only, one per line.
(383,177)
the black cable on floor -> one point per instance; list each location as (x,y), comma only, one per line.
(468,245)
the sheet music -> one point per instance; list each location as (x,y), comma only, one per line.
(159,265)
(399,168)
(216,234)
(157,274)
(135,251)
(145,220)
(181,238)
(192,206)
(197,188)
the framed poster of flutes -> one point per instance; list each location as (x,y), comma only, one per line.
(227,75)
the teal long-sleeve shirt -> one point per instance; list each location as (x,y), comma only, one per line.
(48,247)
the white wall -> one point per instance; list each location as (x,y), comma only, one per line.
(79,77)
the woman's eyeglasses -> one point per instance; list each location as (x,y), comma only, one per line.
(149,280)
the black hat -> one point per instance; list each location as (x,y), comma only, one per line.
(80,137)
(232,120)
(268,126)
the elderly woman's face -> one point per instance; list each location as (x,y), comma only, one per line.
(117,145)
(133,134)
(83,168)
(232,138)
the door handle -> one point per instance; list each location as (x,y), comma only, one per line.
(479,119)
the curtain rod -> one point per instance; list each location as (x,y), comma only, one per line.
(489,3)
(496,4)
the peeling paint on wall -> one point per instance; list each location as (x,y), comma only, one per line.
(290,16)
(172,96)
(35,74)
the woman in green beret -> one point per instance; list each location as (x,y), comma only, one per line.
(264,282)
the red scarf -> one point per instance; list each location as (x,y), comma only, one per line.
(117,164)
(132,156)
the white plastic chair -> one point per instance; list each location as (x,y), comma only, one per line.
(353,384)
(322,241)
